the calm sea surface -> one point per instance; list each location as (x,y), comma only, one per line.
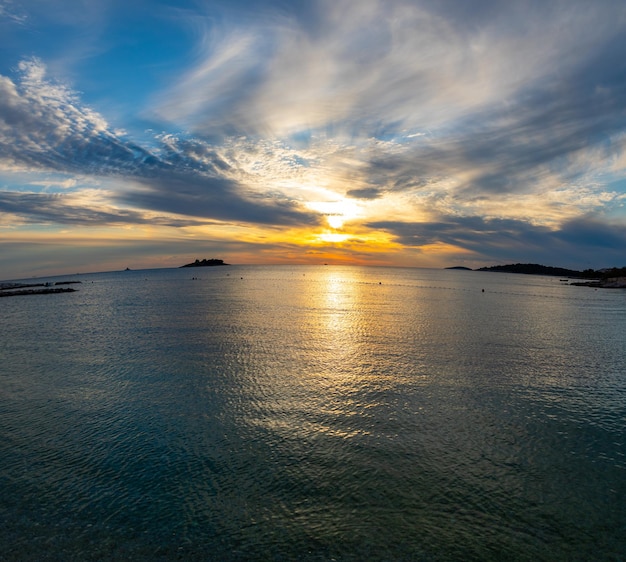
(313,413)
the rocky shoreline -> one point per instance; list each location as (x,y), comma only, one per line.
(608,283)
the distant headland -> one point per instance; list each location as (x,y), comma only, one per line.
(536,269)
(609,278)
(205,263)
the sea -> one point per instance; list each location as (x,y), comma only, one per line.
(338,413)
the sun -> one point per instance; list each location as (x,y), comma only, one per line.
(336,212)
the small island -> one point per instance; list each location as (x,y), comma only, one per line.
(205,263)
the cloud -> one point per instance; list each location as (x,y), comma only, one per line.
(497,128)
(65,184)
(187,195)
(83,209)
(369,67)
(365,193)
(424,96)
(591,233)
(43,127)
(576,242)
(11,12)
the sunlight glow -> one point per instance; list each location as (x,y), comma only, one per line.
(334,237)
(336,212)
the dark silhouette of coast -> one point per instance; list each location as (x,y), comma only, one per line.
(609,278)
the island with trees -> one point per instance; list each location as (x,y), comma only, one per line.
(205,263)
(536,269)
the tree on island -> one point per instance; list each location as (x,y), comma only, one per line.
(205,263)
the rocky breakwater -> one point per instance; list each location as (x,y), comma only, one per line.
(21,289)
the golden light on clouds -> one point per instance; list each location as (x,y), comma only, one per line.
(333,237)
(376,132)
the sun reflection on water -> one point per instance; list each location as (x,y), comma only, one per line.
(339,411)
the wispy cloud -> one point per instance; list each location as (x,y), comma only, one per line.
(502,100)
(482,126)
(43,127)
(84,208)
(371,67)
(12,12)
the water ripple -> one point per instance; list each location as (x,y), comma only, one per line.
(348,414)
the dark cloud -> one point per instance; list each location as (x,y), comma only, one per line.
(58,208)
(472,233)
(590,233)
(365,193)
(212,198)
(574,243)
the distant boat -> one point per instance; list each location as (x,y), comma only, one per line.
(127,269)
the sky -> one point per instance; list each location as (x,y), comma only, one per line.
(422,133)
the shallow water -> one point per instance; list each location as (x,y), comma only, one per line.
(316,413)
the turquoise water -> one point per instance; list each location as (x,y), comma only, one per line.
(313,413)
